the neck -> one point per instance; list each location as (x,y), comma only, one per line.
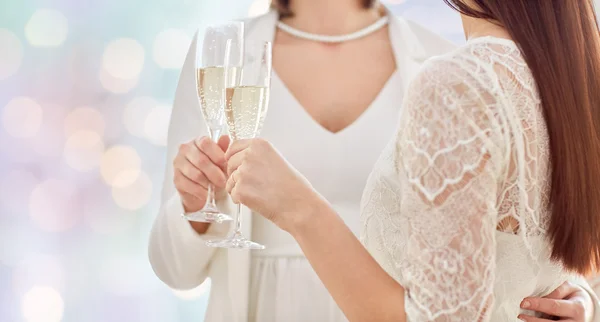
(476,27)
(331,17)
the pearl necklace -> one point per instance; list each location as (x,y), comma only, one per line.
(334,39)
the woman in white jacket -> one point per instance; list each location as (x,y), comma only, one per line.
(331,117)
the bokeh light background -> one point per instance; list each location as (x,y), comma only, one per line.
(85,96)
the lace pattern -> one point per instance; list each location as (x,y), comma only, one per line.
(457,202)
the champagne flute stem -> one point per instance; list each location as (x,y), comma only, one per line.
(238,220)
(210,197)
(211,203)
(215,134)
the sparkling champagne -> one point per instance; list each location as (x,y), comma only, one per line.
(211,90)
(245,110)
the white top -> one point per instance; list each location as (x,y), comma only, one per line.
(454,209)
(278,284)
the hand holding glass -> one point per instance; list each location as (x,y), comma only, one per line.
(222,49)
(245,111)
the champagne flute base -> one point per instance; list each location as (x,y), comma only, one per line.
(208,215)
(236,241)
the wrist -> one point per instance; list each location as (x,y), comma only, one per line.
(308,212)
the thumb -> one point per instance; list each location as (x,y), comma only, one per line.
(224,142)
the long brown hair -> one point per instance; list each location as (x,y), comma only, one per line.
(283,6)
(560,41)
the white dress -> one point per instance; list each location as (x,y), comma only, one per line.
(454,209)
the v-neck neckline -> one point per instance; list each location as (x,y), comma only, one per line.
(392,34)
(365,113)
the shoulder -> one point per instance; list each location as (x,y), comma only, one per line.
(457,95)
(458,70)
(421,41)
(458,85)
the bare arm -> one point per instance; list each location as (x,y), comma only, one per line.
(360,287)
(452,152)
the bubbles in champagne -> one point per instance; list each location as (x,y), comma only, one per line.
(211,91)
(245,110)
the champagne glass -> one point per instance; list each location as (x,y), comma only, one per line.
(222,48)
(245,111)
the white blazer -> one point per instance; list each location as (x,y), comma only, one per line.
(177,253)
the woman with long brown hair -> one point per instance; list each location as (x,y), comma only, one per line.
(488,193)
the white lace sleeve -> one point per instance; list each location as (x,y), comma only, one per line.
(452,152)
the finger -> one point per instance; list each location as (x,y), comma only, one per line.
(232,186)
(565,290)
(214,174)
(187,186)
(195,156)
(193,174)
(189,196)
(552,307)
(212,150)
(529,318)
(224,143)
(235,162)
(189,199)
(182,165)
(231,182)
(236,147)
(205,165)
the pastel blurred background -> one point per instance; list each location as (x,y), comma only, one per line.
(85,96)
